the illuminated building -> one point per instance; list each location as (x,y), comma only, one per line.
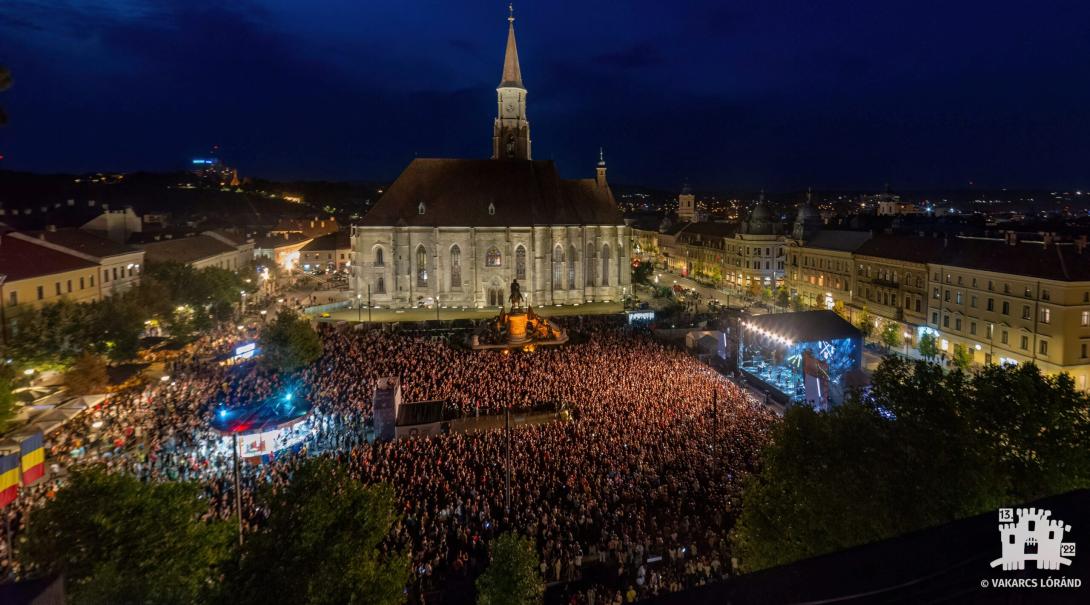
(459,231)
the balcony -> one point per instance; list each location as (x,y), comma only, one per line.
(885,282)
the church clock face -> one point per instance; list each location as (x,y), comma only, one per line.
(509,108)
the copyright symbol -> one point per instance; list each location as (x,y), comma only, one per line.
(984,583)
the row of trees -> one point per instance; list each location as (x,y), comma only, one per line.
(925,447)
(185,300)
(117,540)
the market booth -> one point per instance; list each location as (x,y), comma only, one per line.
(804,357)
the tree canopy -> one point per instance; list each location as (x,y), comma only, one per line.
(289,343)
(323,543)
(923,448)
(117,540)
(512,578)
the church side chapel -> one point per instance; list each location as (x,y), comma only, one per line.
(457,232)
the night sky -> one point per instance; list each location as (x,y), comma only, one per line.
(727,94)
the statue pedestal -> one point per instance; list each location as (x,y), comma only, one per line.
(516,328)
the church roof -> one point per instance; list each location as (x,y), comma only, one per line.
(512,75)
(491,193)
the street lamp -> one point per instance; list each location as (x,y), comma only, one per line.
(359,308)
(243,304)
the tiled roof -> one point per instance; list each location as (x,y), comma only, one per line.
(1060,262)
(185,250)
(85,242)
(332,241)
(269,242)
(491,193)
(843,241)
(20,259)
(903,247)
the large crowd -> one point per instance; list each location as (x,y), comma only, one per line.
(630,495)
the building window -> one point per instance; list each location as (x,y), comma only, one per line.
(81,283)
(558,267)
(991,304)
(520,263)
(935,317)
(421,267)
(1082,350)
(936,294)
(1006,308)
(972,328)
(13,299)
(92,281)
(946,321)
(58,287)
(41,292)
(957,324)
(492,257)
(946,296)
(105,275)
(1084,320)
(1042,347)
(958,297)
(1045,295)
(917,305)
(1003,337)
(380,285)
(1025,343)
(1025,311)
(69,285)
(455,266)
(420,208)
(379,258)
(115,273)
(1046,316)
(972,301)
(605,265)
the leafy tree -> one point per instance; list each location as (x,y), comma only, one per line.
(866,323)
(891,335)
(962,357)
(642,273)
(928,347)
(782,297)
(87,375)
(7,397)
(923,448)
(840,309)
(323,543)
(512,578)
(289,342)
(118,540)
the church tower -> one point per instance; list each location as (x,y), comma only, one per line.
(686,204)
(511,130)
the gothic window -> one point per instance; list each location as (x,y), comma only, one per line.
(492,257)
(421,267)
(558,268)
(378,257)
(455,266)
(380,285)
(420,208)
(592,270)
(520,263)
(571,268)
(605,264)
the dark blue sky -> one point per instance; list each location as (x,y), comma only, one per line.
(729,94)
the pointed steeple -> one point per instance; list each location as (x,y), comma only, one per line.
(512,75)
(600,174)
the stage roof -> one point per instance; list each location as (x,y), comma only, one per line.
(265,416)
(806,326)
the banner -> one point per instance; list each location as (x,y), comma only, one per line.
(32,449)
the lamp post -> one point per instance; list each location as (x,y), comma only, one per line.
(368,303)
(242,306)
(359,308)
(437,306)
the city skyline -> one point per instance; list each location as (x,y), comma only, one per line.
(783,95)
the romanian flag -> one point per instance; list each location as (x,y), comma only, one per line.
(9,478)
(33,458)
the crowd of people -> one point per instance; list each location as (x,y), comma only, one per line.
(631,495)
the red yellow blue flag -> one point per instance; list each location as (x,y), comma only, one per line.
(32,449)
(9,478)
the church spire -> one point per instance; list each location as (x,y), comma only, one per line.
(512,75)
(600,175)
(511,130)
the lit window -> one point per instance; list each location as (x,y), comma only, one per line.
(492,257)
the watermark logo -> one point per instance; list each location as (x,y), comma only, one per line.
(1033,537)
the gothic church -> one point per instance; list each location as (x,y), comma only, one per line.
(458,231)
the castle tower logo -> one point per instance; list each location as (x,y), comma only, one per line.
(1034,537)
